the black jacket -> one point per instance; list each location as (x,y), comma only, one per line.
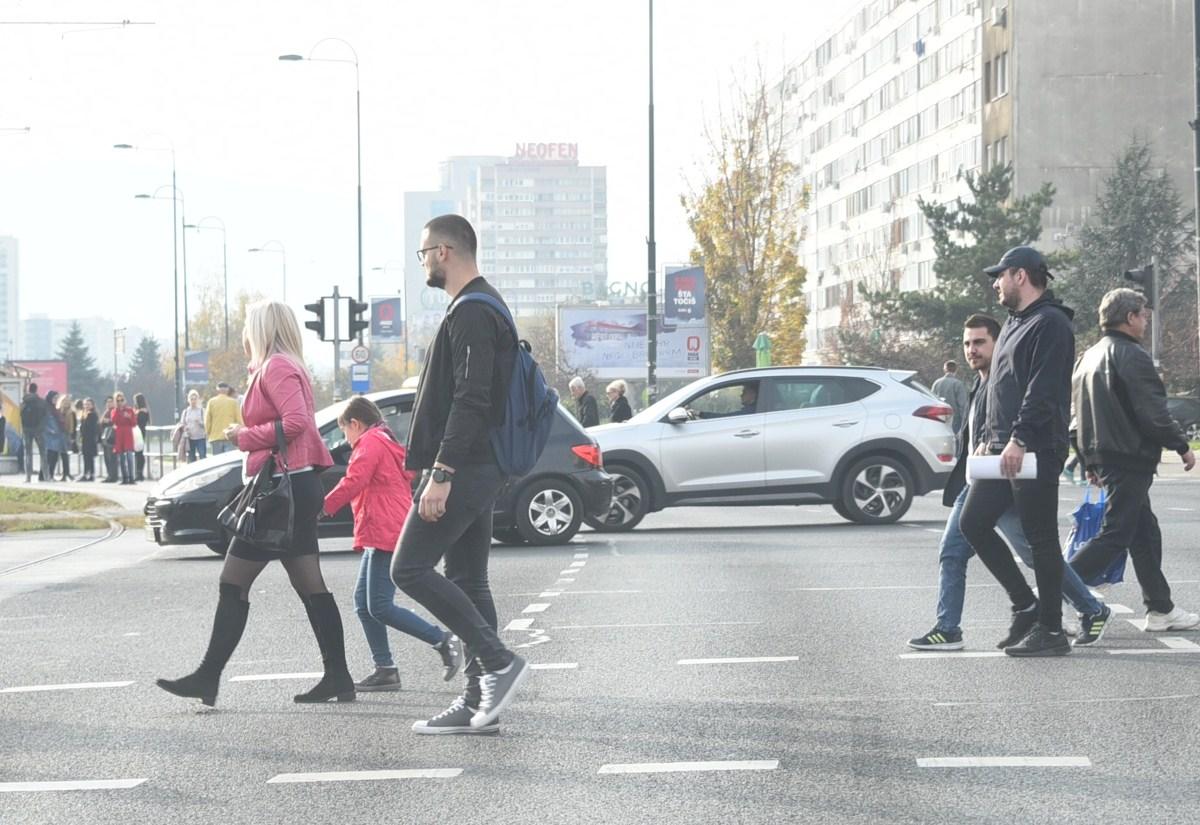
(34,410)
(588,409)
(958,476)
(89,432)
(464,385)
(1121,407)
(1029,385)
(620,410)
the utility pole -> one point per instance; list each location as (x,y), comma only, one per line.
(1195,124)
(337,344)
(651,252)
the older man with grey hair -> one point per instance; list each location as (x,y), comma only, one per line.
(1122,428)
(586,408)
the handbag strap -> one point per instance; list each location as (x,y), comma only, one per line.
(281,445)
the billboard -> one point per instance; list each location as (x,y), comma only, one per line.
(48,375)
(195,367)
(387,319)
(610,342)
(685,295)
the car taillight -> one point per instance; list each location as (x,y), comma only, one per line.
(935,412)
(590,453)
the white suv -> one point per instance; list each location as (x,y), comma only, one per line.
(864,439)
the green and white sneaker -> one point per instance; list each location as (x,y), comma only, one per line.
(938,640)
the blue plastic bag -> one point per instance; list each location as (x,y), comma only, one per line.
(1088,517)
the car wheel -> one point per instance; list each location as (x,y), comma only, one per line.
(1193,431)
(508,535)
(877,490)
(840,509)
(549,512)
(630,499)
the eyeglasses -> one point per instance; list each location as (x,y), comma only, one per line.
(421,252)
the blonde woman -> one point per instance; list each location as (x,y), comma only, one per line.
(192,419)
(280,390)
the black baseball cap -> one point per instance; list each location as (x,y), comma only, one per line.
(1020,257)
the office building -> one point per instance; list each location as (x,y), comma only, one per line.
(10,328)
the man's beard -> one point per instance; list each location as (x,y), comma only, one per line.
(436,279)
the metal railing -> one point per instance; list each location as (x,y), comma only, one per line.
(160,451)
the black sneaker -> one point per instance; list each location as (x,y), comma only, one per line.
(1041,642)
(1093,625)
(497,688)
(1022,622)
(455,719)
(938,640)
(384,678)
(451,651)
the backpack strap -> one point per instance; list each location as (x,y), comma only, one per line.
(484,298)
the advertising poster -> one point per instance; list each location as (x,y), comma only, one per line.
(387,319)
(610,342)
(195,367)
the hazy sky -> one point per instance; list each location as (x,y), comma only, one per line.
(269,146)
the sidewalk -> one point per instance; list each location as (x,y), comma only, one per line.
(1172,467)
(130,499)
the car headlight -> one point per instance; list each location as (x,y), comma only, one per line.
(195,482)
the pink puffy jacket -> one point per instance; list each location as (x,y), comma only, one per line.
(280,391)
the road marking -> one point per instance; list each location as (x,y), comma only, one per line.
(934,530)
(70,785)
(603,592)
(867,587)
(1146,651)
(536,607)
(577,564)
(957,654)
(1178,643)
(580,556)
(1140,624)
(1183,509)
(21,618)
(519,624)
(1120,610)
(692,767)
(271,677)
(739,661)
(549,594)
(570,572)
(564,581)
(77,686)
(361,776)
(1005,762)
(135,633)
(658,624)
(1174,697)
(556,666)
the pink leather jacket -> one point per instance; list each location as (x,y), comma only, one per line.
(280,391)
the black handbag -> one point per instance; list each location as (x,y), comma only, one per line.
(264,512)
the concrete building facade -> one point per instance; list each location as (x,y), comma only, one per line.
(10,294)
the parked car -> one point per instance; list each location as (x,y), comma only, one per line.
(866,440)
(1186,410)
(546,506)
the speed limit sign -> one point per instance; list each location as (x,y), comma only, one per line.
(360,354)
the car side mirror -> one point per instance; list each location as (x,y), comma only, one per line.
(678,416)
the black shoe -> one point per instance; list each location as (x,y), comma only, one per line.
(384,678)
(1022,622)
(228,625)
(198,685)
(938,640)
(1041,642)
(455,719)
(1093,625)
(451,651)
(497,688)
(326,621)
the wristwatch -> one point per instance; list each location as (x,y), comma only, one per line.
(1017,441)
(441,476)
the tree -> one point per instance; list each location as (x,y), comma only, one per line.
(745,217)
(968,235)
(83,378)
(146,376)
(1138,215)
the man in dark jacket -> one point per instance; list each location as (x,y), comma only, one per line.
(1123,427)
(33,428)
(586,408)
(460,399)
(1028,406)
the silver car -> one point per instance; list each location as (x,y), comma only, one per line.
(864,439)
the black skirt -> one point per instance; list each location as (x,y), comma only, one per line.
(309,498)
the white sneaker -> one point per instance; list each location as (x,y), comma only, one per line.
(1177,619)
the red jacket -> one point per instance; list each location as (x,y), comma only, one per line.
(281,391)
(378,489)
(124,419)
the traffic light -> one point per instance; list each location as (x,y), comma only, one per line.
(357,322)
(317,326)
(1143,280)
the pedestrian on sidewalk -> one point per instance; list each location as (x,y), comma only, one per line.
(124,419)
(280,391)
(586,408)
(192,419)
(142,408)
(979,340)
(89,438)
(54,435)
(1122,428)
(108,437)
(460,398)
(1028,404)
(221,411)
(33,429)
(379,491)
(66,410)
(951,389)
(618,404)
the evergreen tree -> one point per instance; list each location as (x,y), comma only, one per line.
(83,378)
(146,376)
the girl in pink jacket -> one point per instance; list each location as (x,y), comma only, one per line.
(379,492)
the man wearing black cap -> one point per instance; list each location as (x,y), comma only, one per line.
(1028,409)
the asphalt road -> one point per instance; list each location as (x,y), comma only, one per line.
(835,726)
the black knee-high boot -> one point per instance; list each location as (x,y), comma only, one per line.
(227,629)
(326,624)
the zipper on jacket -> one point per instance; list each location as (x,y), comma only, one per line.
(467,372)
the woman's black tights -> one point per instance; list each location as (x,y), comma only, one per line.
(303,571)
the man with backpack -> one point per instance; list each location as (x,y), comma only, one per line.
(460,405)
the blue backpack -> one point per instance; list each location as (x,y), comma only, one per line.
(529,409)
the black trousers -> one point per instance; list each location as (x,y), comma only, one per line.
(462,599)
(1036,502)
(1129,524)
(110,463)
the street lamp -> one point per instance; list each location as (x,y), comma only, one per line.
(198,226)
(175,253)
(403,308)
(282,257)
(178,195)
(358,136)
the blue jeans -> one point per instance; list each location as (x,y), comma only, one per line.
(374,595)
(956,551)
(219,447)
(197,447)
(125,462)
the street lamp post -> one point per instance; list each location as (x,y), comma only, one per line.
(282,256)
(651,252)
(357,139)
(403,306)
(198,226)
